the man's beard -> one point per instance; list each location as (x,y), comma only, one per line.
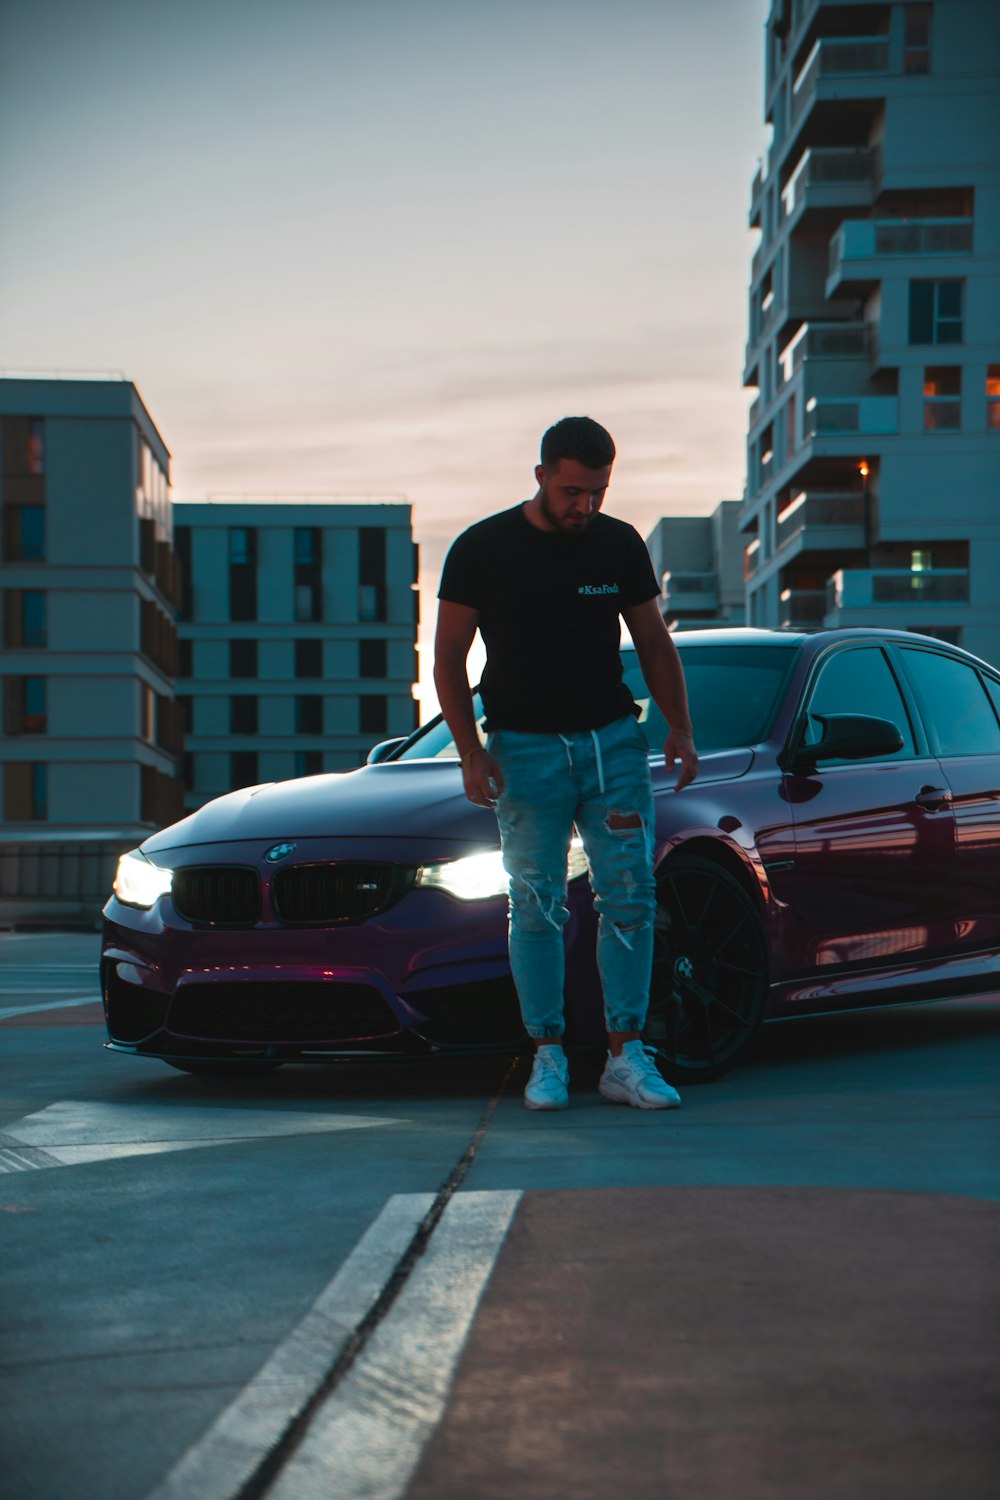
(559,524)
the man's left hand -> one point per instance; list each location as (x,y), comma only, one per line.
(680,747)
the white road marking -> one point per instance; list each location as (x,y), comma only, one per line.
(367,1438)
(28,1010)
(73,1132)
(222,1461)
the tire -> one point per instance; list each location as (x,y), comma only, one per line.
(709,986)
(210,1069)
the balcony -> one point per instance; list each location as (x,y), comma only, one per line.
(859,244)
(751,558)
(691,592)
(895,588)
(802,607)
(831,416)
(837,57)
(831,179)
(822,522)
(829,341)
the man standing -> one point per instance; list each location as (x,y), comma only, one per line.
(545,583)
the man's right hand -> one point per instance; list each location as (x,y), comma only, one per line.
(482,778)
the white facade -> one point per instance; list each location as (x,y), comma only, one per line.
(873,456)
(699,562)
(298,637)
(90,740)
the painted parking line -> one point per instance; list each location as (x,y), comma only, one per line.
(7,1011)
(367,1438)
(222,1461)
(77,1132)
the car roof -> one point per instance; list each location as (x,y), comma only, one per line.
(819,640)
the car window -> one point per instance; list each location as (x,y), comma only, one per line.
(733,693)
(953,698)
(859,681)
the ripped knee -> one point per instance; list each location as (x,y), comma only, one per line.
(618,821)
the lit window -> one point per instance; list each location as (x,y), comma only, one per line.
(942,398)
(993,397)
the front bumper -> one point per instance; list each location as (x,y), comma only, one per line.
(428,976)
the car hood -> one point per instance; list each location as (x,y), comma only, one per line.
(411,799)
(401,798)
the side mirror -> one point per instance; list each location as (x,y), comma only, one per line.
(383,750)
(849,737)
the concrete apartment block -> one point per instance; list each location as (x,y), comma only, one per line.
(873,452)
(298,630)
(699,561)
(91,741)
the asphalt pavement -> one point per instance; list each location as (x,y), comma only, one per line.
(400,1283)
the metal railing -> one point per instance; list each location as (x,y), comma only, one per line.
(862,588)
(807,511)
(840,57)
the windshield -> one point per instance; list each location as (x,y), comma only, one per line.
(734,692)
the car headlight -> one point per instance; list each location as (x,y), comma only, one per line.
(478,877)
(139,882)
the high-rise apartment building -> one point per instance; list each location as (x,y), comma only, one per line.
(699,562)
(873,462)
(88,575)
(298,627)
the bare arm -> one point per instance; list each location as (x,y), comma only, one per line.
(661,667)
(456,629)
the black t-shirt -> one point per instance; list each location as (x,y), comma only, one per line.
(548,612)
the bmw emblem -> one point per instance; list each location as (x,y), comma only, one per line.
(279,852)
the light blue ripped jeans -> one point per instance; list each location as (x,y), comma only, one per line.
(599,780)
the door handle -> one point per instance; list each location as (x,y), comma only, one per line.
(932,797)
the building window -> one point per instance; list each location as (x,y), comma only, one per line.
(309,658)
(242,768)
(185,712)
(25,709)
(182,547)
(243,714)
(25,617)
(25,791)
(24,533)
(942,398)
(936,312)
(185,658)
(373,658)
(993,397)
(242,573)
(309,714)
(917,38)
(308,543)
(187,770)
(243,658)
(148,713)
(374,713)
(308,762)
(371,573)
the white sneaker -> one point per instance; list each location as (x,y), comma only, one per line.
(633,1078)
(548,1085)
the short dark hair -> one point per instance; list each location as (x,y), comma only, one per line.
(579,438)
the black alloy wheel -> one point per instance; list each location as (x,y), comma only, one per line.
(710,970)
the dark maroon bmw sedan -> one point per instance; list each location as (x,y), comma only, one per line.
(840,848)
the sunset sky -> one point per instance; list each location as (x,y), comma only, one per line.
(377,246)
